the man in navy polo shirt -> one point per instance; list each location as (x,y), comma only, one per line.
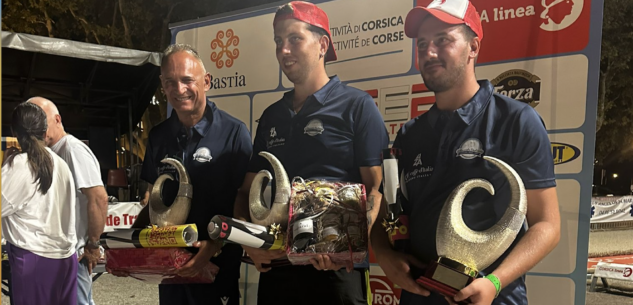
(443,148)
(214,148)
(321,129)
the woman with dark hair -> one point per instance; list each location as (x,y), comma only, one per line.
(38,216)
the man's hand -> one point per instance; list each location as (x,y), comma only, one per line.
(262,256)
(117,273)
(397,268)
(323,262)
(199,260)
(480,292)
(91,256)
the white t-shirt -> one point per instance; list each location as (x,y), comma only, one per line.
(41,223)
(85,169)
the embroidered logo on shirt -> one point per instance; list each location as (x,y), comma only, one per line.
(470,149)
(314,127)
(203,154)
(273,140)
(418,160)
(225,300)
(418,170)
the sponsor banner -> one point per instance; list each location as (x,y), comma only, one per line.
(368,42)
(611,209)
(620,259)
(121,215)
(545,290)
(554,27)
(235,106)
(615,271)
(562,260)
(566,152)
(383,291)
(230,50)
(553,86)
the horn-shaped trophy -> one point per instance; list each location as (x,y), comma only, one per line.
(277,214)
(177,213)
(155,254)
(464,252)
(268,224)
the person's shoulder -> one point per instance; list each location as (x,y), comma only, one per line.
(412,125)
(19,161)
(163,129)
(72,145)
(275,108)
(510,105)
(59,162)
(227,120)
(348,94)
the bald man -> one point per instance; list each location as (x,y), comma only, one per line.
(92,199)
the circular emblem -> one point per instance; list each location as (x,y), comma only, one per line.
(470,149)
(203,154)
(314,127)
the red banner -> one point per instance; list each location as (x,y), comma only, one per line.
(527,28)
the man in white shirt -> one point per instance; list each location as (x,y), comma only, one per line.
(92,199)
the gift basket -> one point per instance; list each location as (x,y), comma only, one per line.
(327,218)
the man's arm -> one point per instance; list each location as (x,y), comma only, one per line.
(372,177)
(97,212)
(542,236)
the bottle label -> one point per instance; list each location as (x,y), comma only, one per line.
(302,226)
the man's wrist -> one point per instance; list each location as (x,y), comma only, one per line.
(496,282)
(92,244)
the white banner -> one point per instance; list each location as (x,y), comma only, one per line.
(614,271)
(611,209)
(121,215)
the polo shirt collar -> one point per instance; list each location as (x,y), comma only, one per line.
(471,110)
(204,125)
(320,95)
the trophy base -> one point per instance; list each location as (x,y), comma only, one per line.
(444,280)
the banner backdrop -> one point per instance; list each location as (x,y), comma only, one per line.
(121,215)
(545,53)
(611,209)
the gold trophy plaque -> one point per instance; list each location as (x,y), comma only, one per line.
(462,251)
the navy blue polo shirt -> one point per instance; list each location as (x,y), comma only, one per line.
(441,149)
(215,153)
(338,130)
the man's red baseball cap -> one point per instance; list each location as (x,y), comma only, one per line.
(448,11)
(310,14)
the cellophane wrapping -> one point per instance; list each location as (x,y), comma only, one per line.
(327,218)
(157,265)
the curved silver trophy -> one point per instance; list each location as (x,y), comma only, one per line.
(177,213)
(462,251)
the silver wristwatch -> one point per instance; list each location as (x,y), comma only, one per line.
(93,244)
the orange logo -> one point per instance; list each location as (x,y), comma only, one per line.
(231,40)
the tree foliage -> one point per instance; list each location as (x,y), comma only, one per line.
(614,126)
(137,24)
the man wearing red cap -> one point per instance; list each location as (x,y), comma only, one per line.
(443,148)
(320,129)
